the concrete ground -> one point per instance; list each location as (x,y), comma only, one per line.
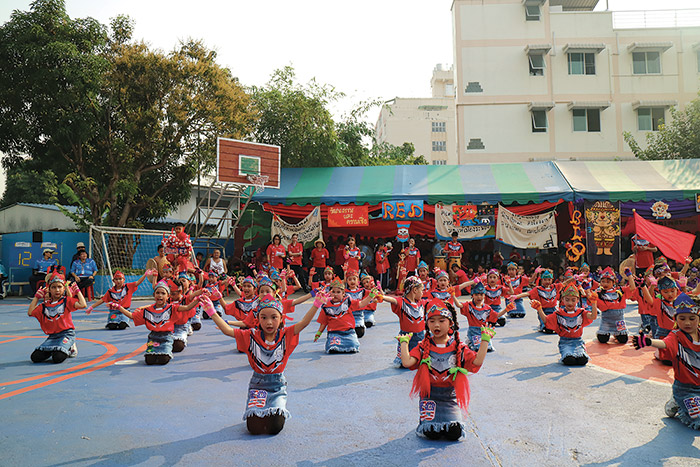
(106,407)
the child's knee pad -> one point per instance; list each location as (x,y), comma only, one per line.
(178,346)
(58,357)
(622,338)
(603,338)
(360,331)
(40,355)
(569,360)
(196,326)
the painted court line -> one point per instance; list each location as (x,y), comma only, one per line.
(72,375)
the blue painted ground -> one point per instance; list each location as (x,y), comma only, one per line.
(346,410)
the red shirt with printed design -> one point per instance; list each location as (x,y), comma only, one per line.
(442,358)
(411,315)
(338,316)
(412,258)
(157,319)
(266,357)
(547,296)
(251,319)
(664,311)
(568,324)
(55,316)
(352,258)
(478,316)
(121,296)
(685,357)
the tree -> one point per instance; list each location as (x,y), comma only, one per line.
(678,139)
(30,186)
(296,118)
(124,127)
(388,154)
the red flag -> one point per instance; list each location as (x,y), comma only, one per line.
(674,244)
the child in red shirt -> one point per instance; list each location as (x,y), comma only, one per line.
(411,312)
(612,301)
(568,322)
(54,316)
(268,346)
(337,318)
(160,319)
(495,290)
(352,256)
(683,348)
(121,293)
(517,283)
(428,282)
(368,284)
(546,293)
(479,314)
(412,255)
(442,363)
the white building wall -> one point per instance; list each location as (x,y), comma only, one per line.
(494,87)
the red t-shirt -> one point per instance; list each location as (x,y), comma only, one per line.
(664,311)
(157,319)
(352,258)
(182,317)
(55,316)
(295,248)
(642,258)
(241,308)
(685,357)
(454,249)
(412,258)
(428,286)
(642,306)
(493,295)
(461,277)
(338,316)
(276,253)
(568,324)
(478,316)
(518,282)
(122,296)
(411,315)
(546,296)
(613,299)
(340,255)
(442,358)
(319,257)
(264,357)
(381,261)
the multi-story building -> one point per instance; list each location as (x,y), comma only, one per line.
(428,123)
(553,79)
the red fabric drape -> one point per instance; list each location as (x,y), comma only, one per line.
(674,244)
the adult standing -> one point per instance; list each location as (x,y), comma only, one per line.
(79,247)
(319,258)
(216,264)
(42,266)
(381,263)
(643,254)
(295,251)
(276,253)
(83,271)
(412,257)
(454,250)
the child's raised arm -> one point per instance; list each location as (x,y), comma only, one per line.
(538,307)
(39,295)
(221,323)
(487,334)
(391,300)
(74,290)
(642,340)
(319,301)
(592,299)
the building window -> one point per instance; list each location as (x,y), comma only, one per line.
(536,64)
(581,63)
(646,63)
(539,121)
(438,127)
(532,12)
(449,89)
(439,146)
(586,120)
(439,162)
(649,118)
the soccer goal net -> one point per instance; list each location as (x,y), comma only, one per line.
(127,250)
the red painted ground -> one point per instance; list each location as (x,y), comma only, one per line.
(625,360)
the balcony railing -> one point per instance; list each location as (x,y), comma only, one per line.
(656,19)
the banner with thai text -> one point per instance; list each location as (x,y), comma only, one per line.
(538,231)
(308,230)
(465,220)
(348,216)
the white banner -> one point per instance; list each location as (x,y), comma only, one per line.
(308,230)
(539,231)
(445,224)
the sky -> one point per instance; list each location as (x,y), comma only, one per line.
(368,49)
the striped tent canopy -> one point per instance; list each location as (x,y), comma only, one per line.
(633,180)
(521,183)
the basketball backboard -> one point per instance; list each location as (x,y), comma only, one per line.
(237,161)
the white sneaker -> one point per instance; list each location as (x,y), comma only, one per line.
(671,408)
(73,352)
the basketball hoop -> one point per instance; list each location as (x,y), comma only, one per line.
(258,182)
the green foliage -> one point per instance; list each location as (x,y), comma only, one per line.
(677,139)
(296,118)
(30,186)
(124,127)
(388,154)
